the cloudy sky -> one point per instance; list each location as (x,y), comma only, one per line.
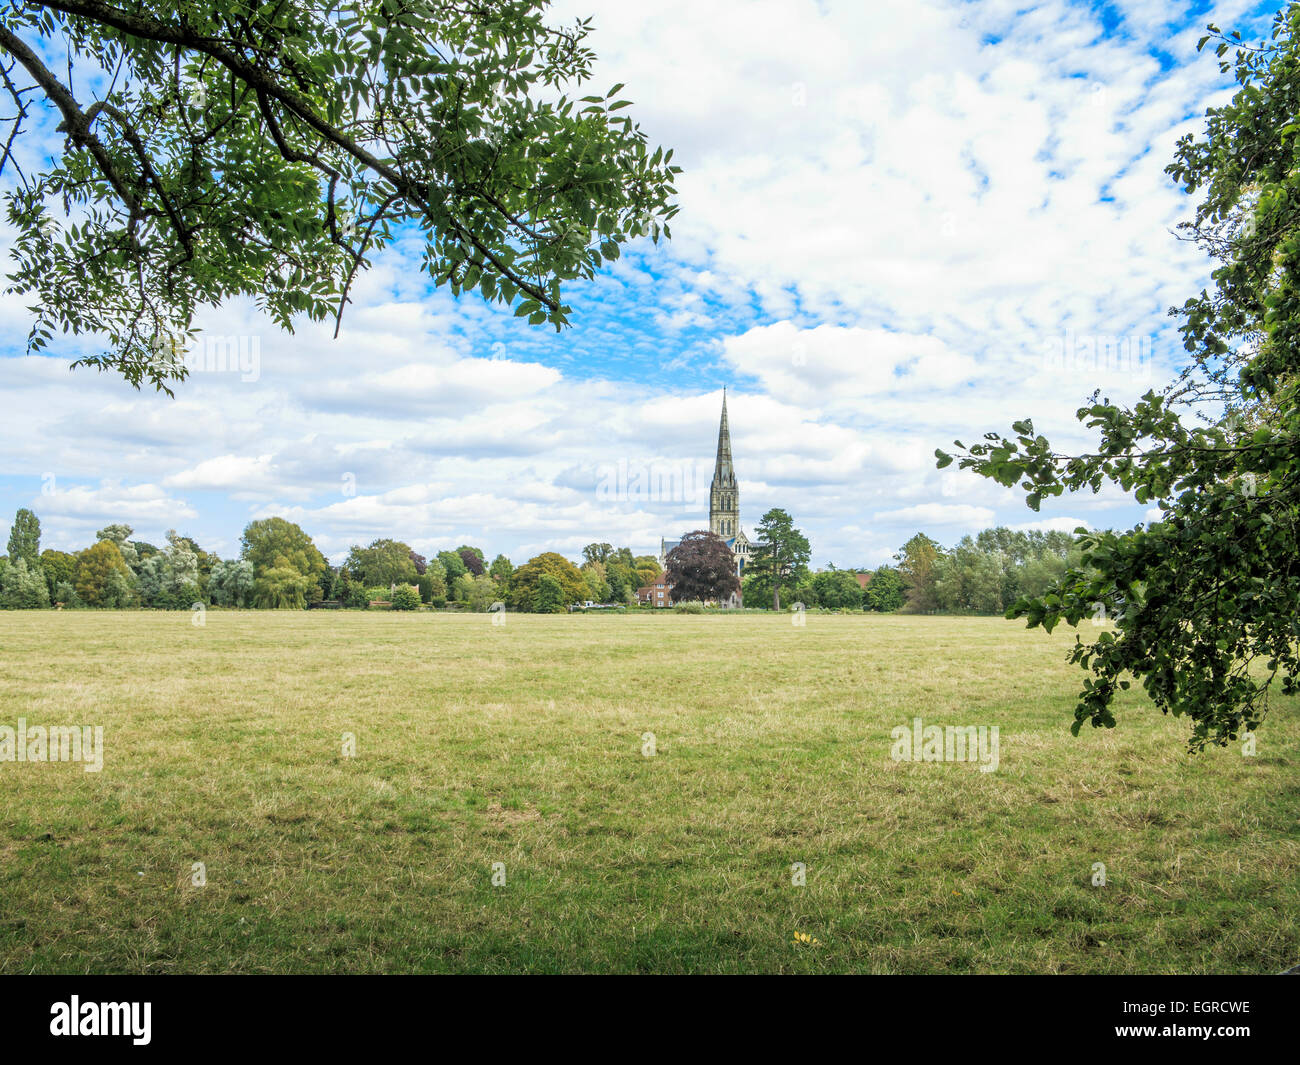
(897,220)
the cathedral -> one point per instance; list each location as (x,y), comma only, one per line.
(724,502)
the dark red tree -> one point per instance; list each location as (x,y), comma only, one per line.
(701,567)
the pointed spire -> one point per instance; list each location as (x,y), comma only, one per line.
(722,470)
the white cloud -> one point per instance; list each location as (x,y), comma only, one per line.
(1067,525)
(890,224)
(938,514)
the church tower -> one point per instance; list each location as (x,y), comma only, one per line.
(724,493)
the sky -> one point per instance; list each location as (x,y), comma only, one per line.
(900,224)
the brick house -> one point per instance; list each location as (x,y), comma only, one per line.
(655,594)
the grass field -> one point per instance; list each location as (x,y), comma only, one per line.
(523,744)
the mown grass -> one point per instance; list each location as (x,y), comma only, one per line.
(522,744)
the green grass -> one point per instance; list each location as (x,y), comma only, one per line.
(522,744)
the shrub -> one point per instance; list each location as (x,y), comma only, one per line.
(688,608)
(66,594)
(357,597)
(549,596)
(405,597)
(23,587)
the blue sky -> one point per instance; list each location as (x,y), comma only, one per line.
(894,220)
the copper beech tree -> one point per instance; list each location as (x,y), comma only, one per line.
(701,568)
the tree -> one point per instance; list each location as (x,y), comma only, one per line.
(231,583)
(25,539)
(384,562)
(203,560)
(437,577)
(884,592)
(480,593)
(59,567)
(968,580)
(282,588)
(170,579)
(500,570)
(267,150)
(405,597)
(279,547)
(837,589)
(524,584)
(597,586)
(453,565)
(1201,603)
(23,587)
(549,596)
(622,573)
(597,553)
(119,534)
(472,557)
(648,570)
(916,561)
(103,577)
(701,567)
(780,556)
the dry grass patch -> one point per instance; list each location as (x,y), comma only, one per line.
(522,744)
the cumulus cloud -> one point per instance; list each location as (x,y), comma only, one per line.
(900,224)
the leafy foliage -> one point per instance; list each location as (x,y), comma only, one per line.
(884,592)
(103,578)
(779,559)
(472,557)
(23,587)
(528,593)
(701,568)
(59,568)
(916,561)
(384,562)
(405,597)
(549,596)
(231,583)
(267,150)
(281,553)
(25,538)
(1203,605)
(837,589)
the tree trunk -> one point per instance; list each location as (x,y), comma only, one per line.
(776,597)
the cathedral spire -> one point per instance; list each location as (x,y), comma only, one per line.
(724,495)
(722,470)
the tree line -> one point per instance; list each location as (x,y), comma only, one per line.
(279,567)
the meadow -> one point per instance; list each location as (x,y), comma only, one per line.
(525,744)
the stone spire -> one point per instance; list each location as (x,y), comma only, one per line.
(722,470)
(724,495)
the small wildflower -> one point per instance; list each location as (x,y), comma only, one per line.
(803,937)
